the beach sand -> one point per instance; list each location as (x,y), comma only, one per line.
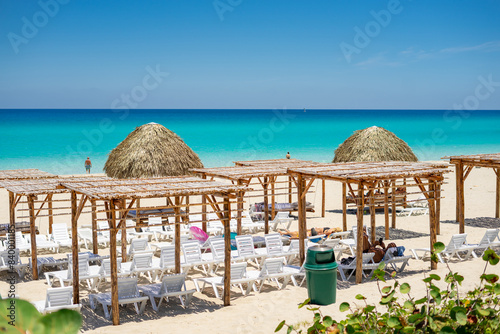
(262,312)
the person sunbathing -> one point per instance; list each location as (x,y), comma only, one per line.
(312,232)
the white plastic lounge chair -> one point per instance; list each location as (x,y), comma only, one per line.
(368,265)
(85,236)
(66,276)
(456,247)
(21,243)
(291,251)
(103,225)
(134,232)
(274,245)
(156,228)
(141,264)
(11,257)
(397,263)
(281,220)
(104,271)
(246,250)
(338,248)
(214,225)
(238,277)
(57,299)
(137,246)
(351,243)
(61,236)
(170,286)
(487,241)
(297,272)
(43,243)
(272,270)
(128,293)
(194,258)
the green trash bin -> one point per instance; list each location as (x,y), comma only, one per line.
(321,275)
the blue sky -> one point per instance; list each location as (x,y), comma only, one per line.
(324,54)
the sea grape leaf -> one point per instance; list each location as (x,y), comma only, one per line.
(62,322)
(405,288)
(19,316)
(344,307)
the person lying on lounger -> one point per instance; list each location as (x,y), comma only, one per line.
(312,232)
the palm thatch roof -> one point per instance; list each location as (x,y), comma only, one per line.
(374,144)
(151,150)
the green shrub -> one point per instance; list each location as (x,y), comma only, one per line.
(439,311)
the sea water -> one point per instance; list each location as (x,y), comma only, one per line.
(59,141)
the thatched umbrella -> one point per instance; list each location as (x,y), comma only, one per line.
(373,144)
(151,150)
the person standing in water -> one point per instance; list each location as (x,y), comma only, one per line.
(88,165)
(288,155)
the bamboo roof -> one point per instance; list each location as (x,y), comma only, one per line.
(372,171)
(485,160)
(274,162)
(24,174)
(150,188)
(43,186)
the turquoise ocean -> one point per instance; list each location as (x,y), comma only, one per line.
(59,141)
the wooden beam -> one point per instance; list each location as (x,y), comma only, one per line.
(137,215)
(307,187)
(83,200)
(273,198)
(266,206)
(386,208)
(300,189)
(123,223)
(95,245)
(467,171)
(42,205)
(239,207)
(497,199)
(359,237)
(432,220)
(227,252)
(115,312)
(290,190)
(34,266)
(51,212)
(344,207)
(437,186)
(12,219)
(459,171)
(177,240)
(373,224)
(74,249)
(323,198)
(393,209)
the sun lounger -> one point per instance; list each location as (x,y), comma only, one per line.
(338,248)
(350,269)
(85,235)
(43,243)
(57,299)
(10,259)
(281,220)
(128,293)
(487,241)
(271,270)
(397,263)
(133,231)
(170,286)
(456,247)
(21,243)
(137,246)
(154,226)
(166,262)
(141,264)
(104,271)
(194,258)
(246,250)
(238,278)
(290,252)
(66,276)
(351,243)
(60,235)
(102,225)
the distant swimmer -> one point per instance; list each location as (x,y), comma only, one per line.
(88,165)
(288,155)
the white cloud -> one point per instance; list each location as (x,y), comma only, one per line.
(487,47)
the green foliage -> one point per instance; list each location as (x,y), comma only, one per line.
(20,316)
(440,311)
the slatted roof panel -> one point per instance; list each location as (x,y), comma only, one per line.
(43,186)
(483,159)
(274,162)
(24,174)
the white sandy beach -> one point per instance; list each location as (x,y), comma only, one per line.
(261,313)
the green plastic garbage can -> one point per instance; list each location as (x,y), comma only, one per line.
(321,275)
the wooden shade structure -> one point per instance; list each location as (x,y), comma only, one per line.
(151,150)
(366,176)
(24,174)
(463,166)
(120,197)
(265,172)
(30,189)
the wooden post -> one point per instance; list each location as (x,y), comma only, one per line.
(386,208)
(95,245)
(227,252)
(302,231)
(459,171)
(432,218)
(34,266)
(438,207)
(497,200)
(204,209)
(344,206)
(115,312)
(12,219)
(239,207)
(359,237)
(74,249)
(290,199)
(177,240)
(50,212)
(123,204)
(373,224)
(137,215)
(273,198)
(393,209)
(323,198)
(266,207)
